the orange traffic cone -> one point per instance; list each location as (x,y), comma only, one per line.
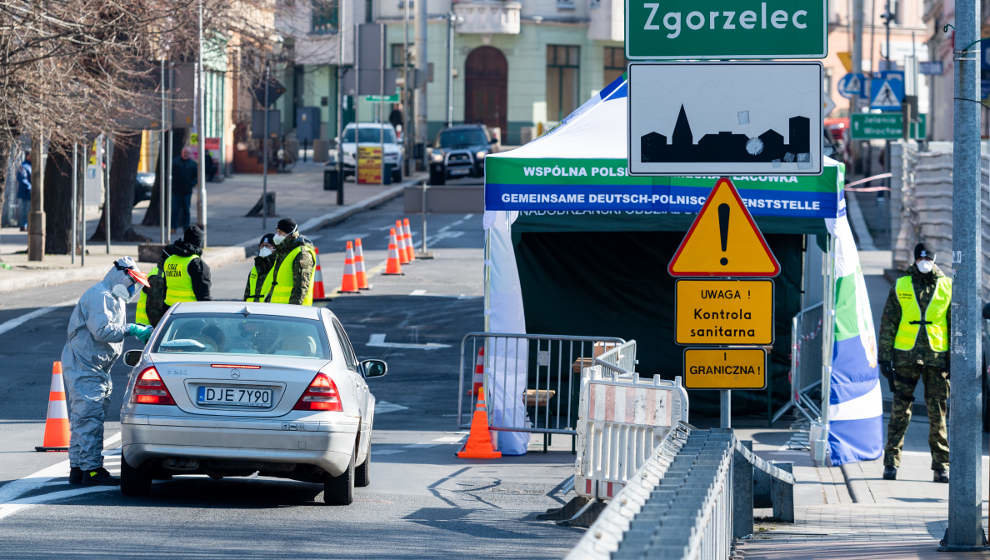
(57,425)
(393,267)
(359,270)
(318,291)
(410,251)
(348,285)
(479,372)
(403,251)
(479,442)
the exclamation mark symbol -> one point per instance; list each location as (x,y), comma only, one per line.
(723,228)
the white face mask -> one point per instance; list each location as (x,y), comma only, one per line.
(264,251)
(278,238)
(925,266)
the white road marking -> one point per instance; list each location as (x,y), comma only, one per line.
(418,293)
(18,321)
(384,407)
(377,340)
(10,493)
(351,237)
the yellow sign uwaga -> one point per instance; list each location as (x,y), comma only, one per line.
(724,240)
(724,312)
(721,368)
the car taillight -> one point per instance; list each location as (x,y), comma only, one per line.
(150,389)
(321,394)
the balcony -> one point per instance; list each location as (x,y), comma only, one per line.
(488,18)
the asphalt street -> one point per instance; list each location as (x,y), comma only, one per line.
(423,502)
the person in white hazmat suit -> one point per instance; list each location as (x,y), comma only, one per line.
(96,332)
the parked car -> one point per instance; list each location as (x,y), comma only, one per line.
(459,151)
(143,186)
(371,135)
(234,389)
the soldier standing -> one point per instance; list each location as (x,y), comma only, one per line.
(908,352)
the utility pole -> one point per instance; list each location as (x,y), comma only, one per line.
(423,66)
(264,147)
(857,57)
(36,219)
(341,26)
(965,488)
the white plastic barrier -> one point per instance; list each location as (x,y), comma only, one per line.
(622,418)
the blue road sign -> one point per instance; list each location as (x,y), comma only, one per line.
(887,91)
(851,85)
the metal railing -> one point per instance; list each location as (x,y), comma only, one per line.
(687,500)
(806,363)
(621,359)
(532,381)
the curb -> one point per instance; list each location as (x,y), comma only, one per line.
(217,256)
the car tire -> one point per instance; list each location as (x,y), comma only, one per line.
(134,482)
(362,473)
(437,178)
(339,490)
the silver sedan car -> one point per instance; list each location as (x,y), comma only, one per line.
(233,389)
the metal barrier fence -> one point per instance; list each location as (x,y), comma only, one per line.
(532,381)
(686,500)
(622,419)
(806,364)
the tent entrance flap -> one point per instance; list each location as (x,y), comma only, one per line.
(587,283)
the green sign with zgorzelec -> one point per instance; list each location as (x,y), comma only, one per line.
(717,29)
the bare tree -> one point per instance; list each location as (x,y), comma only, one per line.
(73,68)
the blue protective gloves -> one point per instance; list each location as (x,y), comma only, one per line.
(140,332)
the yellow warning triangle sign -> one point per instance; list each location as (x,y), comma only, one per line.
(724,240)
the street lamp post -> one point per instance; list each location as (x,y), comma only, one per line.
(452,20)
(202,130)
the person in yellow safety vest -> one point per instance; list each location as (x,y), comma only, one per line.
(914,344)
(291,277)
(259,272)
(141,310)
(187,277)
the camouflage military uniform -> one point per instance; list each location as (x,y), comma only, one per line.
(921,362)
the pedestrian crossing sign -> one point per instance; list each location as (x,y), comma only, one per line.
(887,91)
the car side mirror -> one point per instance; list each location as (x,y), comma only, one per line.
(493,141)
(374,368)
(133,357)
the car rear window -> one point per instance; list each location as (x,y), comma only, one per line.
(237,334)
(371,135)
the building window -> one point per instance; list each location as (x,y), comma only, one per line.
(615,63)
(563,62)
(324,16)
(397,54)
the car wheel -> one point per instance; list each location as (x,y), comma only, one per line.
(362,474)
(339,490)
(134,481)
(437,178)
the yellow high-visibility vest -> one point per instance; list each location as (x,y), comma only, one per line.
(256,289)
(936,315)
(178,284)
(280,280)
(141,311)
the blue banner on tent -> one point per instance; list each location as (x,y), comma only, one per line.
(661,199)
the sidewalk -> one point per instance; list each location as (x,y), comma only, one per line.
(850,511)
(298,195)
